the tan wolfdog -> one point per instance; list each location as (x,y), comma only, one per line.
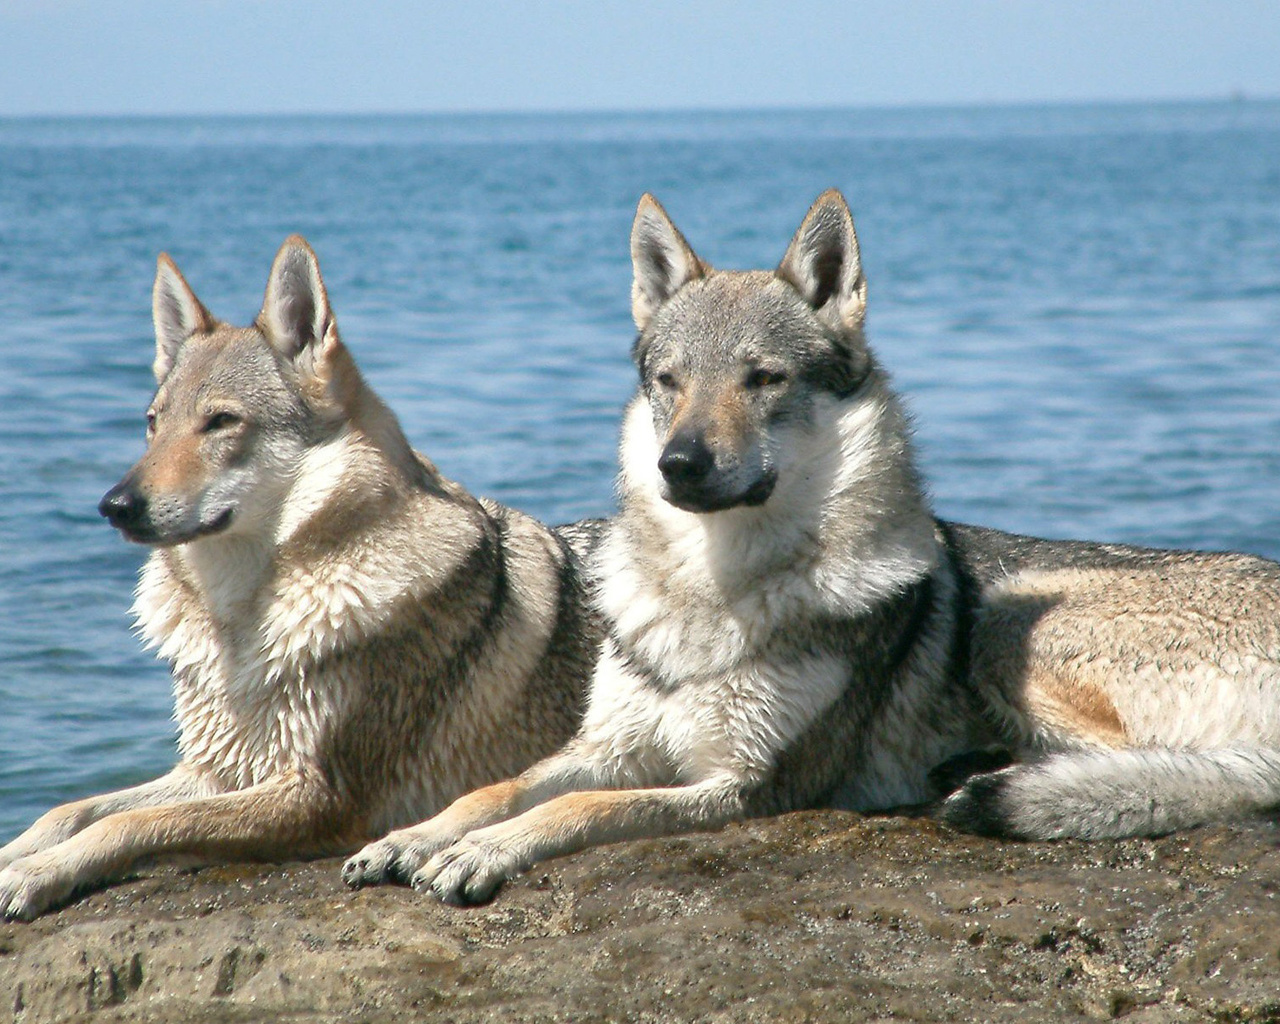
(790,626)
(355,640)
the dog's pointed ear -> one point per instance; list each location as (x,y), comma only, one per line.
(298,321)
(295,313)
(176,313)
(661,259)
(823,263)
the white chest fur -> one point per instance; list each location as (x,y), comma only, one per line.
(251,700)
(250,624)
(733,723)
(698,683)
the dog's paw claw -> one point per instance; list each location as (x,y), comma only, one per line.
(395,858)
(467,873)
(371,866)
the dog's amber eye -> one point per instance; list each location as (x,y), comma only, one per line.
(220,421)
(765,378)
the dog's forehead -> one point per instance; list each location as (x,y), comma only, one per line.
(736,316)
(229,361)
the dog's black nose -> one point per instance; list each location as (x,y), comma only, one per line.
(122,506)
(686,460)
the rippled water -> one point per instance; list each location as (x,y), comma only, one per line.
(1083,305)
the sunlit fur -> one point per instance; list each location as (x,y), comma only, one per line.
(835,644)
(355,641)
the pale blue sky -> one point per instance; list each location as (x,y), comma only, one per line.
(259,56)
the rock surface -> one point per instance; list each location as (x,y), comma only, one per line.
(809,917)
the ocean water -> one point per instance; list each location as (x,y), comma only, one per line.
(1082,305)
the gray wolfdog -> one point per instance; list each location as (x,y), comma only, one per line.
(790,626)
(355,640)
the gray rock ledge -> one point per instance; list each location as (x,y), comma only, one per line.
(817,916)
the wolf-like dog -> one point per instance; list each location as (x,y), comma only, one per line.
(355,640)
(790,626)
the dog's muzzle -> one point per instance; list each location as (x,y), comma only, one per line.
(687,465)
(133,515)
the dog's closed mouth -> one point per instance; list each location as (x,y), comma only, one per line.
(220,522)
(145,533)
(697,499)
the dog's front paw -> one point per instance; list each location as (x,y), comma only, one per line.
(468,872)
(371,866)
(394,858)
(29,887)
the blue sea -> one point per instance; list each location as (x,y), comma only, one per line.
(1082,305)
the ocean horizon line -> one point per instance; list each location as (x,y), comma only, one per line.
(1234,98)
(681,125)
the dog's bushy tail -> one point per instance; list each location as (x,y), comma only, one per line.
(1110,794)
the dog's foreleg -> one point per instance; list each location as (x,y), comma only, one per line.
(288,817)
(64,821)
(399,855)
(471,870)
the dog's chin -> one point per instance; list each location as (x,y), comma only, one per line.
(145,533)
(704,500)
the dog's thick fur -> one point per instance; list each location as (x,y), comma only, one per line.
(792,627)
(355,640)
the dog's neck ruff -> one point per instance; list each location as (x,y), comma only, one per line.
(707,591)
(250,627)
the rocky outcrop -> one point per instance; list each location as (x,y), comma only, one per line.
(807,917)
